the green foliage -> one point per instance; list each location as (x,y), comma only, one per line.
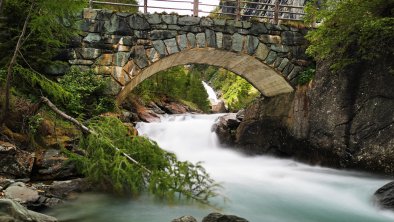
(306,76)
(352,31)
(237,93)
(168,178)
(35,84)
(49,29)
(81,94)
(87,91)
(177,82)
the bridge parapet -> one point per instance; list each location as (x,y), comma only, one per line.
(123,45)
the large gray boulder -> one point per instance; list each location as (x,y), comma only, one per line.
(12,211)
(384,196)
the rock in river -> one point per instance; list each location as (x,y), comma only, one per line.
(385,196)
(15,212)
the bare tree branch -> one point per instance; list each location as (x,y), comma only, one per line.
(86,130)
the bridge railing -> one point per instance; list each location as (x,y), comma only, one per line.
(272,10)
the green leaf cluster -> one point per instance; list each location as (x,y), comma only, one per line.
(107,167)
(306,76)
(180,82)
(88,93)
(352,31)
(81,94)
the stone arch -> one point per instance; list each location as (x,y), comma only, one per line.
(263,77)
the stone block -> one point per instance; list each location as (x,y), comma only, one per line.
(258,28)
(92,38)
(227,42)
(219,40)
(283,64)
(194,28)
(237,42)
(219,22)
(292,38)
(160,48)
(238,24)
(172,46)
(162,34)
(159,26)
(127,40)
(246,24)
(170,19)
(280,48)
(142,34)
(192,40)
(210,38)
(119,75)
(294,73)
(123,48)
(89,53)
(111,25)
(206,22)
(251,44)
(174,27)
(277,62)
(139,56)
(153,19)
(262,51)
(153,55)
(271,39)
(189,20)
(182,42)
(287,70)
(271,58)
(201,43)
(138,22)
(121,58)
(103,70)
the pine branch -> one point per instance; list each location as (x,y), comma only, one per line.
(86,130)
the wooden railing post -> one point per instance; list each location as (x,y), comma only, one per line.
(90,4)
(238,11)
(145,6)
(195,8)
(276,12)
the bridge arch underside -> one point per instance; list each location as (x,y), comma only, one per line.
(263,77)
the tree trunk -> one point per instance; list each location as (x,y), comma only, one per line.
(6,105)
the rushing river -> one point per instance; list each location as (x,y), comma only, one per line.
(258,188)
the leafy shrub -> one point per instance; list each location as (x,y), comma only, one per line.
(306,76)
(353,31)
(158,172)
(87,93)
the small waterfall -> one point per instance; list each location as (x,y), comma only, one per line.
(211,94)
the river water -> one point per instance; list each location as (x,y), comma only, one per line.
(258,188)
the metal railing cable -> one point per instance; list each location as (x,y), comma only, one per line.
(272,10)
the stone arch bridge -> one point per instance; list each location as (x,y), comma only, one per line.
(133,47)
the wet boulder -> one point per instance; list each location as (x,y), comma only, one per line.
(226,127)
(384,196)
(185,219)
(12,211)
(217,217)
